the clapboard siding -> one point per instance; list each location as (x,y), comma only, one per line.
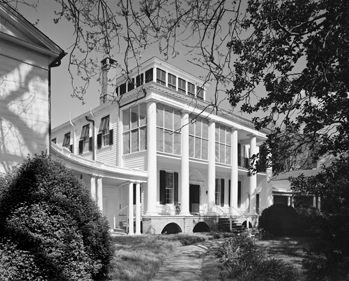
(23,111)
(136,160)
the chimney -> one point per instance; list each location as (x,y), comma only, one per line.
(108,66)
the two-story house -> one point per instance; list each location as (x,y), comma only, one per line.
(158,158)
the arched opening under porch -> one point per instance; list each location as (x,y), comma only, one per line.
(171,228)
(201,227)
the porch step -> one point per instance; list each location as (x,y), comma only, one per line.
(224,225)
(118,231)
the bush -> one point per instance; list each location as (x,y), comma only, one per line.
(279,220)
(308,221)
(49,220)
(242,260)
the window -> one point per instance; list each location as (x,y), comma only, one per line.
(54,140)
(223,144)
(131,84)
(172,81)
(105,136)
(139,80)
(135,128)
(122,89)
(149,75)
(219,192)
(200,93)
(168,129)
(85,143)
(168,187)
(66,140)
(191,89)
(198,138)
(161,76)
(181,85)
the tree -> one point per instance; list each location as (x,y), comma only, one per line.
(287,59)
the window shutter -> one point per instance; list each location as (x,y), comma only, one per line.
(229,193)
(111,137)
(81,146)
(222,192)
(99,141)
(175,187)
(162,187)
(239,194)
(90,144)
(71,148)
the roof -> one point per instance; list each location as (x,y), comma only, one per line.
(306,173)
(15,28)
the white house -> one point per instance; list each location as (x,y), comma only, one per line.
(157,159)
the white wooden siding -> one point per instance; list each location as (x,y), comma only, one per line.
(24,119)
(135,160)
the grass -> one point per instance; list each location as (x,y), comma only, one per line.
(138,258)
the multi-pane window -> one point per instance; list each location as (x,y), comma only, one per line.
(131,84)
(84,144)
(168,122)
(122,89)
(168,187)
(223,144)
(171,81)
(219,192)
(181,85)
(191,89)
(103,137)
(135,128)
(161,76)
(66,140)
(139,80)
(200,93)
(198,138)
(149,75)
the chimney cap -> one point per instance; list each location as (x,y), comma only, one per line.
(108,60)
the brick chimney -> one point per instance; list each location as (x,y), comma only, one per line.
(108,66)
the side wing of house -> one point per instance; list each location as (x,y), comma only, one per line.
(26,55)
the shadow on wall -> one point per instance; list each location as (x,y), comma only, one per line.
(24,116)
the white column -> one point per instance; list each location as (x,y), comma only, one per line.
(185,165)
(130,209)
(138,209)
(234,173)
(211,166)
(152,159)
(99,193)
(93,188)
(253,178)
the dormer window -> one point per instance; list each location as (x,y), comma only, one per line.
(161,76)
(172,81)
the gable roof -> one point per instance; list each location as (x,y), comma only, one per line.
(15,28)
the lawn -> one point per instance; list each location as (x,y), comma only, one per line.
(138,258)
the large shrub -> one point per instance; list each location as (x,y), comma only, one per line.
(50,227)
(279,220)
(242,260)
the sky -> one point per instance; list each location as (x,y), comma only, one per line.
(63,105)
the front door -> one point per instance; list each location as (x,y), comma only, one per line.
(194,198)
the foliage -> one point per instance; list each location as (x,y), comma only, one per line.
(241,259)
(328,255)
(48,217)
(279,220)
